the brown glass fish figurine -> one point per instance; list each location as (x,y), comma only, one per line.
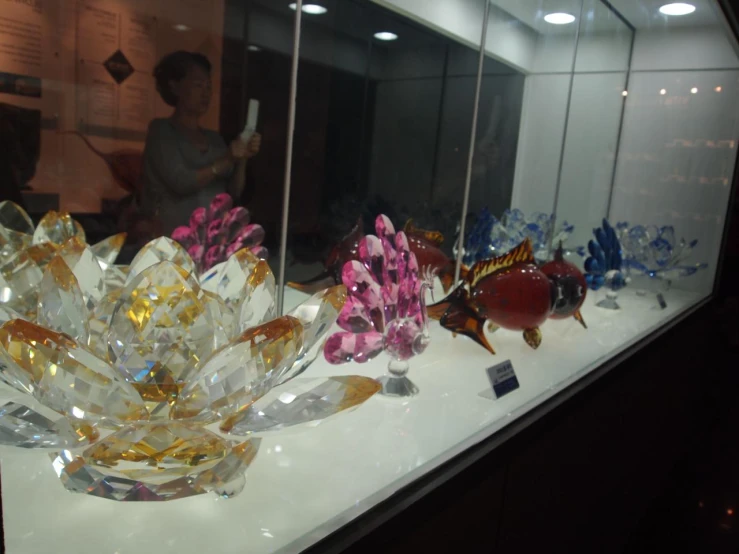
(510,291)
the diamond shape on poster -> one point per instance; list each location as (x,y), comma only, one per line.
(119,67)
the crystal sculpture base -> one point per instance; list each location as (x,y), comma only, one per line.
(609,302)
(396,383)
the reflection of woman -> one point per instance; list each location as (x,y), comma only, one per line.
(185,166)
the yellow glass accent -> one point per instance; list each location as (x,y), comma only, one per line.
(65,376)
(57,227)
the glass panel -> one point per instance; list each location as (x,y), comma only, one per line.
(594,120)
(79,95)
(385,106)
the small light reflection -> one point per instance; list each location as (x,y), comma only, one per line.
(694,90)
(718,89)
(730,511)
(663,91)
(625,93)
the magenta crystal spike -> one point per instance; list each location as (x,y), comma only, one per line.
(185,236)
(346,347)
(362,286)
(372,255)
(214,255)
(384,228)
(219,206)
(235,220)
(251,235)
(354,317)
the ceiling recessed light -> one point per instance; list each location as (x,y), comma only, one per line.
(718,89)
(677,8)
(663,91)
(385,35)
(625,93)
(559,18)
(312,9)
(180,27)
(694,90)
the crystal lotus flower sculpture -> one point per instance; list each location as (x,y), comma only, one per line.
(26,250)
(491,237)
(384,309)
(656,253)
(132,387)
(218,231)
(604,265)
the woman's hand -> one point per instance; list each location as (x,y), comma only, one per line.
(241,150)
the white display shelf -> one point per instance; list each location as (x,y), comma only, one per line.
(307,482)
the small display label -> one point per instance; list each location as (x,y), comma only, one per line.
(661,300)
(502,378)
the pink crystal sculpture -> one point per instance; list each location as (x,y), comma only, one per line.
(218,231)
(384,309)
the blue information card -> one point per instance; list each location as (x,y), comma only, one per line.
(502,378)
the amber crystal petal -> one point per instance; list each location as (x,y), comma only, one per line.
(61,306)
(66,377)
(243,371)
(155,462)
(42,253)
(302,401)
(86,269)
(162,249)
(13,217)
(57,227)
(23,427)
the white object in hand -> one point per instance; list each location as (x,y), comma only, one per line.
(252,115)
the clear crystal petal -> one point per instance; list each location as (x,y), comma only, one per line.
(23,427)
(84,264)
(66,377)
(162,328)
(12,216)
(317,315)
(19,279)
(107,250)
(155,462)
(247,285)
(115,277)
(100,322)
(7,313)
(12,242)
(302,401)
(57,227)
(160,250)
(241,372)
(61,306)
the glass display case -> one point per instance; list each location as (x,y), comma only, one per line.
(554,176)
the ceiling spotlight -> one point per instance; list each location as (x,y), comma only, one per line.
(677,8)
(718,89)
(559,18)
(625,93)
(663,91)
(180,27)
(312,9)
(385,35)
(694,90)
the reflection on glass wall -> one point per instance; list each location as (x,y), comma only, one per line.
(385,108)
(130,113)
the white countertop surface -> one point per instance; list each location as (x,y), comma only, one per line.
(306,482)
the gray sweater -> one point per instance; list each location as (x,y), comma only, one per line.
(169,176)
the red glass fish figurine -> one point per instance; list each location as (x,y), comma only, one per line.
(345,250)
(510,291)
(424,244)
(570,284)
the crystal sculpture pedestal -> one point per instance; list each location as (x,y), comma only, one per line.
(396,383)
